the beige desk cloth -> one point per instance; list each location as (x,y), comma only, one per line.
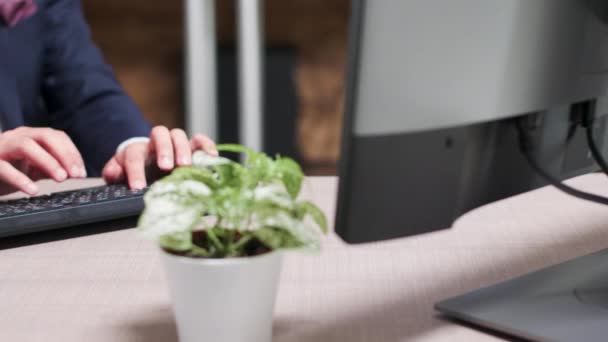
(110,287)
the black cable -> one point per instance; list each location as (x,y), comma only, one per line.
(525,145)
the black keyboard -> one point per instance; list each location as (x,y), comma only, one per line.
(69,208)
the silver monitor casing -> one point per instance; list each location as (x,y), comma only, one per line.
(432,87)
(429,64)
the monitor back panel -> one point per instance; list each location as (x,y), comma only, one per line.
(432,87)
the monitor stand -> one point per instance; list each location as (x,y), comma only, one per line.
(593,296)
(565,302)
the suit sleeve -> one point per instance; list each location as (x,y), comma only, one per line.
(80,90)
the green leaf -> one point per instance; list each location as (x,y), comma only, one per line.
(260,168)
(172,206)
(203,160)
(308,208)
(177,242)
(193,173)
(168,217)
(272,195)
(236,148)
(231,175)
(308,238)
(290,174)
(275,238)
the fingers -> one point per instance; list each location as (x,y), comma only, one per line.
(169,148)
(134,163)
(113,172)
(11,176)
(61,147)
(31,151)
(162,145)
(201,142)
(47,151)
(181,147)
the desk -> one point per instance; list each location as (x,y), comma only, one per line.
(110,286)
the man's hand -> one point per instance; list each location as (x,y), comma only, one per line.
(165,151)
(28,154)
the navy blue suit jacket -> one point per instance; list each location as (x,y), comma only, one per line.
(52,75)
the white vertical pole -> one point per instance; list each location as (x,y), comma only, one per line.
(200,67)
(250,33)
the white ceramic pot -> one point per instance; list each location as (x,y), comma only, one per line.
(223,300)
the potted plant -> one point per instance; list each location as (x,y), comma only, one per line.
(221,227)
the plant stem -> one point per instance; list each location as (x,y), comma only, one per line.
(242,242)
(198,251)
(230,241)
(214,240)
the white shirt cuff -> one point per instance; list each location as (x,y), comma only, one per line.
(130,141)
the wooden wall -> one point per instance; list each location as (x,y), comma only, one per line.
(143,40)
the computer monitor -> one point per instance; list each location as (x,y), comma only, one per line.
(449,104)
(433,90)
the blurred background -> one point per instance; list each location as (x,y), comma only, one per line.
(305,57)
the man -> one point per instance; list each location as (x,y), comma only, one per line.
(62,112)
